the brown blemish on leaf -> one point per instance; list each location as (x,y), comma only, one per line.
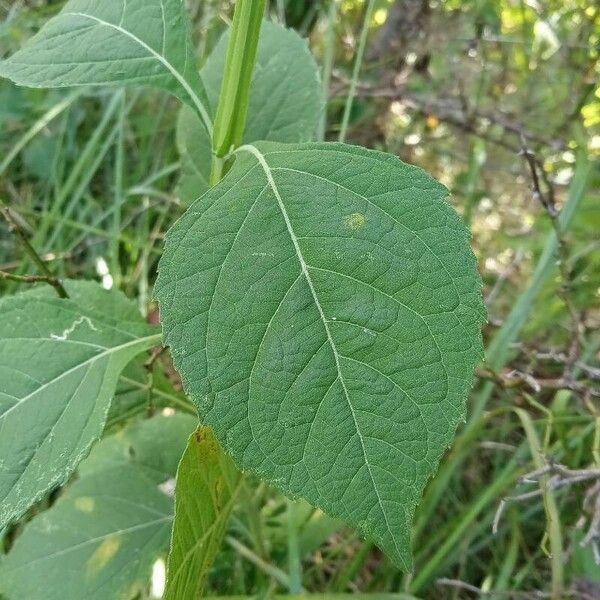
(200,434)
(205,437)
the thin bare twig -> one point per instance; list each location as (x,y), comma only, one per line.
(562,476)
(47,277)
(463,585)
(30,278)
(546,199)
(516,379)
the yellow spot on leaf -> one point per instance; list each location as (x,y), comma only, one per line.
(355,221)
(103,553)
(85,504)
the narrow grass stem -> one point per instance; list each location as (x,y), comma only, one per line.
(294,562)
(328,60)
(550,507)
(356,70)
(119,194)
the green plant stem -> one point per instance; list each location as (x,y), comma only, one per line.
(119,195)
(271,570)
(350,571)
(505,479)
(550,508)
(179,401)
(328,60)
(505,574)
(230,118)
(33,255)
(294,563)
(356,70)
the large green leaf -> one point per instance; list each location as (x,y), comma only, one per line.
(109,42)
(60,362)
(207,486)
(323,307)
(102,536)
(285,103)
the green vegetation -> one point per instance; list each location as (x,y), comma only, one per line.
(320,305)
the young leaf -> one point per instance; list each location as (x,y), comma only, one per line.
(115,42)
(323,307)
(60,362)
(284,104)
(104,533)
(207,485)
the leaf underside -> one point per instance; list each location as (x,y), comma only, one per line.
(323,308)
(144,42)
(60,362)
(101,538)
(285,103)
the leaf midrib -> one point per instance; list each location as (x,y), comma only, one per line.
(126,531)
(89,361)
(304,267)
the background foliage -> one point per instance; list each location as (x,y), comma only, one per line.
(496,98)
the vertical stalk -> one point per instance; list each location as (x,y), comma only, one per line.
(230,119)
(328,60)
(550,507)
(356,70)
(144,234)
(119,194)
(294,562)
(498,351)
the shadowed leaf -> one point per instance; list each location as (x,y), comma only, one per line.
(60,363)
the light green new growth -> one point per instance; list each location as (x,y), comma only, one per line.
(327,323)
(207,487)
(60,361)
